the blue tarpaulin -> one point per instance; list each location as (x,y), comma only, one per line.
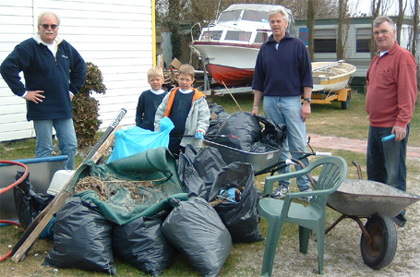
(133,140)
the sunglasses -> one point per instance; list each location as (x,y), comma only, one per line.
(46,26)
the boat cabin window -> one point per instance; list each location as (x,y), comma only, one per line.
(238,35)
(363,40)
(211,35)
(230,16)
(255,16)
(325,41)
(261,37)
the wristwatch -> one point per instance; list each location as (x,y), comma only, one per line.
(307,100)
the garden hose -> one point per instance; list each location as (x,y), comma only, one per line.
(6,189)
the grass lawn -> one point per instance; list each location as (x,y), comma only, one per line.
(245,258)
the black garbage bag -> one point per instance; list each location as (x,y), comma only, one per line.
(273,134)
(260,147)
(82,238)
(217,116)
(142,244)
(243,128)
(198,168)
(28,202)
(193,184)
(240,215)
(196,230)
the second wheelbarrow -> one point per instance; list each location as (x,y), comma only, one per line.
(378,203)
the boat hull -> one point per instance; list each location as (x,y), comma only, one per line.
(229,63)
(331,76)
(230,76)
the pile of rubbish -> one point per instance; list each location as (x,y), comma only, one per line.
(146,207)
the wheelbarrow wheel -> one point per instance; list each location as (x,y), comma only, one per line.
(380,251)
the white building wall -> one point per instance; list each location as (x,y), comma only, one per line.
(114,35)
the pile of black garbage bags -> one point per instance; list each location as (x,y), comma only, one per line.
(221,209)
(202,228)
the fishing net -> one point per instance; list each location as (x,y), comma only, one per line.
(132,187)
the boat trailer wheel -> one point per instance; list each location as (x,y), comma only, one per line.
(379,251)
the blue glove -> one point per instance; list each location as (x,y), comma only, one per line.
(199,135)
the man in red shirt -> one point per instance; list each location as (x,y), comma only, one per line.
(390,100)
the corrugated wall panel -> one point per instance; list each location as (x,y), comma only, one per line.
(114,35)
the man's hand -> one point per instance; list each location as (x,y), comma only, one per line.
(255,110)
(34,96)
(305,111)
(400,132)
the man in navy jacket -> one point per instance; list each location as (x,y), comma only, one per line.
(282,75)
(54,72)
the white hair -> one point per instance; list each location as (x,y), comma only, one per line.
(281,10)
(45,13)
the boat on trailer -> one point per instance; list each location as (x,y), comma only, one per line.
(331,76)
(229,46)
(331,81)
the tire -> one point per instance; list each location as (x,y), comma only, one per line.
(346,104)
(381,251)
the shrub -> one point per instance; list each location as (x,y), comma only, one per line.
(86,108)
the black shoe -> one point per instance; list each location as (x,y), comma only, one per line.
(399,220)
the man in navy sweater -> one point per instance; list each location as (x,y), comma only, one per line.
(54,72)
(282,75)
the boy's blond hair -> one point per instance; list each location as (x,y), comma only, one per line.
(187,70)
(155,71)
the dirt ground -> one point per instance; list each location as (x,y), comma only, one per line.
(342,250)
(342,245)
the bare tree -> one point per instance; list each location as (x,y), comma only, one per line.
(310,24)
(342,31)
(375,8)
(415,35)
(415,32)
(400,18)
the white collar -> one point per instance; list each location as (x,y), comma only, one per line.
(38,40)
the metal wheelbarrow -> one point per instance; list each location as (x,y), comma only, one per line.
(377,202)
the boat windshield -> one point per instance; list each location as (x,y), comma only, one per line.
(211,35)
(238,35)
(230,15)
(255,16)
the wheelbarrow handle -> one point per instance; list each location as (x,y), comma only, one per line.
(207,136)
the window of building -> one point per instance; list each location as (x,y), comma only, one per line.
(325,41)
(363,38)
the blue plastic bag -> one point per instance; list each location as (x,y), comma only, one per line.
(133,140)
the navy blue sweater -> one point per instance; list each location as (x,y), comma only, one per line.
(146,109)
(282,70)
(55,76)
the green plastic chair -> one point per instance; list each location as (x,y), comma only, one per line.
(309,217)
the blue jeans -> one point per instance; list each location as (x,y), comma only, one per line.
(66,136)
(386,160)
(286,110)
